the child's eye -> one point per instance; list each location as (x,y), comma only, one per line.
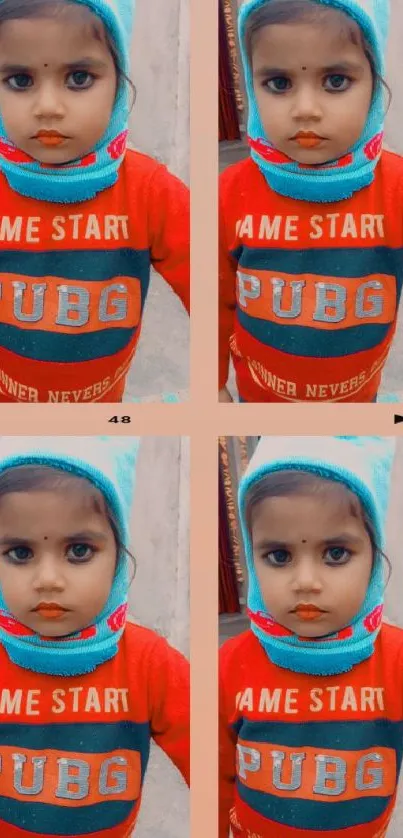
(80,552)
(337,555)
(277,558)
(20,81)
(19,554)
(278,84)
(337,82)
(80,80)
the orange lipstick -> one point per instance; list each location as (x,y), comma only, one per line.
(308,612)
(50,610)
(307,139)
(50,138)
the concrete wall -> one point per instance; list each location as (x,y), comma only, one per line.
(159,124)
(394,533)
(159,595)
(159,599)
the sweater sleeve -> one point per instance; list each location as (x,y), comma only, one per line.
(170,704)
(226,766)
(169,231)
(227,299)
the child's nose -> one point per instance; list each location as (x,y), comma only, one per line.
(48,101)
(48,575)
(306,577)
(306,104)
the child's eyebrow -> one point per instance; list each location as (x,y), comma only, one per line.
(82,63)
(340,538)
(13,541)
(271,71)
(13,68)
(86,535)
(265,544)
(342,67)
(343,538)
(90,63)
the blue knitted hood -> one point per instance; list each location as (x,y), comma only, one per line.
(82,179)
(109,464)
(340,179)
(363,465)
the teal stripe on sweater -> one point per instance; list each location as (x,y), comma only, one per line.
(310,342)
(326,262)
(90,265)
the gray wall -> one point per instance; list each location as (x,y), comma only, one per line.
(394,121)
(159,599)
(159,124)
(159,594)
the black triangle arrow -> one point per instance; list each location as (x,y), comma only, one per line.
(398,419)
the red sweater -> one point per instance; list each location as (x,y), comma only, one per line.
(74,279)
(309,756)
(309,293)
(74,751)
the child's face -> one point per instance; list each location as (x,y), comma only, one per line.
(310,552)
(307,80)
(55,548)
(55,76)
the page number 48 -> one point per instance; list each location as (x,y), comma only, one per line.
(124,419)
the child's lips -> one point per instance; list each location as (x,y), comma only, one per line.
(50,611)
(308,612)
(50,138)
(308,140)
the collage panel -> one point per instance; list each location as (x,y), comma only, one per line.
(97,634)
(94,224)
(94,636)
(310,232)
(311,636)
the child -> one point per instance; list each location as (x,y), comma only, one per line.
(83,691)
(311,702)
(311,232)
(82,218)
